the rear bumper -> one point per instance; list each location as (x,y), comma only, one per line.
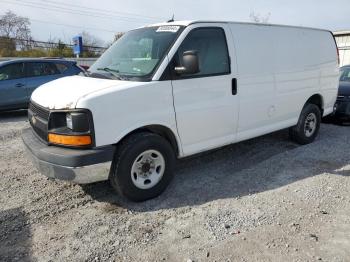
(74,165)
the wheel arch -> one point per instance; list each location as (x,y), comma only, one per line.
(317,100)
(160,130)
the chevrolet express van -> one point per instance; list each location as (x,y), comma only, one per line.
(171,90)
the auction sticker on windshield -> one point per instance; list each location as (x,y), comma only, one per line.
(168,28)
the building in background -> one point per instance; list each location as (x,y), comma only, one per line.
(343,42)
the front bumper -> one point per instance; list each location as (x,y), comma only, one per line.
(74,165)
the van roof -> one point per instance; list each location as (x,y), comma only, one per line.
(342,33)
(189,22)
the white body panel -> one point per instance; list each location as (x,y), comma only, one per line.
(278,68)
(64,93)
(205,103)
(117,112)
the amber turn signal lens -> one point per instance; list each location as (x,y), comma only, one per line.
(70,140)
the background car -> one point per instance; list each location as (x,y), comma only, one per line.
(19,78)
(342,106)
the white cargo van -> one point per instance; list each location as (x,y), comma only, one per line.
(175,89)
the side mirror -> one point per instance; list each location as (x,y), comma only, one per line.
(190,63)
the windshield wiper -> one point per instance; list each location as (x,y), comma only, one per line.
(114,72)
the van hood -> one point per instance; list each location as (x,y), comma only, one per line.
(65,92)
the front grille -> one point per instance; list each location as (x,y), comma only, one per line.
(42,133)
(39,111)
(39,118)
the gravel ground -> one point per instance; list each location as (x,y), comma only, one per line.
(265,199)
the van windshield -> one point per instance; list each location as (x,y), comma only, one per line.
(137,54)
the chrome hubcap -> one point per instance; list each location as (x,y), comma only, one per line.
(147,169)
(310,124)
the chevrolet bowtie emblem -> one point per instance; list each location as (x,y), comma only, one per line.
(33,120)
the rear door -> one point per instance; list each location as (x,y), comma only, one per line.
(12,86)
(39,73)
(206,103)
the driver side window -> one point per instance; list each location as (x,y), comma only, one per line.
(211,46)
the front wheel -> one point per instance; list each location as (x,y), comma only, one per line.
(142,167)
(308,125)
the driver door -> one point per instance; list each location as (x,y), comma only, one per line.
(206,103)
(12,86)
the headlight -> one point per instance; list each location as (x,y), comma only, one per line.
(73,128)
(69,121)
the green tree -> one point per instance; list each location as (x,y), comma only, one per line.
(7,46)
(60,50)
(34,52)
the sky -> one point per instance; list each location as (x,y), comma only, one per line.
(55,19)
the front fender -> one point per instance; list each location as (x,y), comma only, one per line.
(119,111)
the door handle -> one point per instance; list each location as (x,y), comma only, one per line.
(19,85)
(234,86)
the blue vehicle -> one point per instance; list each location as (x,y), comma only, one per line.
(342,106)
(19,78)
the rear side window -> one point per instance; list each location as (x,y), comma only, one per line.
(211,45)
(11,71)
(41,69)
(61,67)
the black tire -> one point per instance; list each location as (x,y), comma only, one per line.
(300,133)
(126,154)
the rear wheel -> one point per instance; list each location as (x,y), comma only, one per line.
(142,167)
(308,125)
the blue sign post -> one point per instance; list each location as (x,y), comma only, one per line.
(77,45)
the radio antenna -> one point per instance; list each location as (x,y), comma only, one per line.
(172,19)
